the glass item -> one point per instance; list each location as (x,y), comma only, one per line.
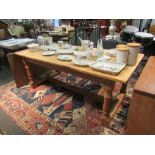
(85,44)
(112,28)
(91,45)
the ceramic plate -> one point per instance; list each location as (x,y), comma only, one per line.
(48,53)
(67,46)
(80,54)
(108,67)
(65,57)
(52,48)
(143,35)
(105,57)
(82,62)
(63,51)
(130,29)
(74,47)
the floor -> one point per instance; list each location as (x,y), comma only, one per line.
(5,74)
(7,126)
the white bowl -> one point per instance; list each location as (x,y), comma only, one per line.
(33,47)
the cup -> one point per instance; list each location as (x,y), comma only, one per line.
(33,47)
(49,40)
(41,40)
(60,43)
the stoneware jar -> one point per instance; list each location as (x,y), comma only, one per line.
(122,54)
(134,49)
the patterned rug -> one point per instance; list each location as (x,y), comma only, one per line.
(51,109)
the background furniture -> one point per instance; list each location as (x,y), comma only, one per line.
(17,31)
(12,45)
(109,44)
(2,34)
(152,29)
(87,30)
(142,110)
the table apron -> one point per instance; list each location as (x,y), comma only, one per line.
(71,71)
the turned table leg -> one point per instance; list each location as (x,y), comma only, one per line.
(123,88)
(107,98)
(29,74)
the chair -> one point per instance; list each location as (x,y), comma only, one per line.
(109,44)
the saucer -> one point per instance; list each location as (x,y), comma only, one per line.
(48,53)
(65,57)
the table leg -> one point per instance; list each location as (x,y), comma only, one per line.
(29,74)
(123,88)
(107,98)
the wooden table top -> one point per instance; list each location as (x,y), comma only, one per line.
(122,77)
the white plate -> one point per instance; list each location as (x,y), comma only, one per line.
(63,51)
(48,53)
(52,48)
(67,46)
(143,35)
(105,57)
(65,57)
(80,53)
(74,47)
(130,29)
(82,62)
(107,67)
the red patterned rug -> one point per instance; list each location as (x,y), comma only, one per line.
(51,109)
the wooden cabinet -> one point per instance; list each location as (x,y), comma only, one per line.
(141,118)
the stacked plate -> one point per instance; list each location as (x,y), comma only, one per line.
(48,53)
(65,57)
(81,62)
(64,51)
(107,67)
